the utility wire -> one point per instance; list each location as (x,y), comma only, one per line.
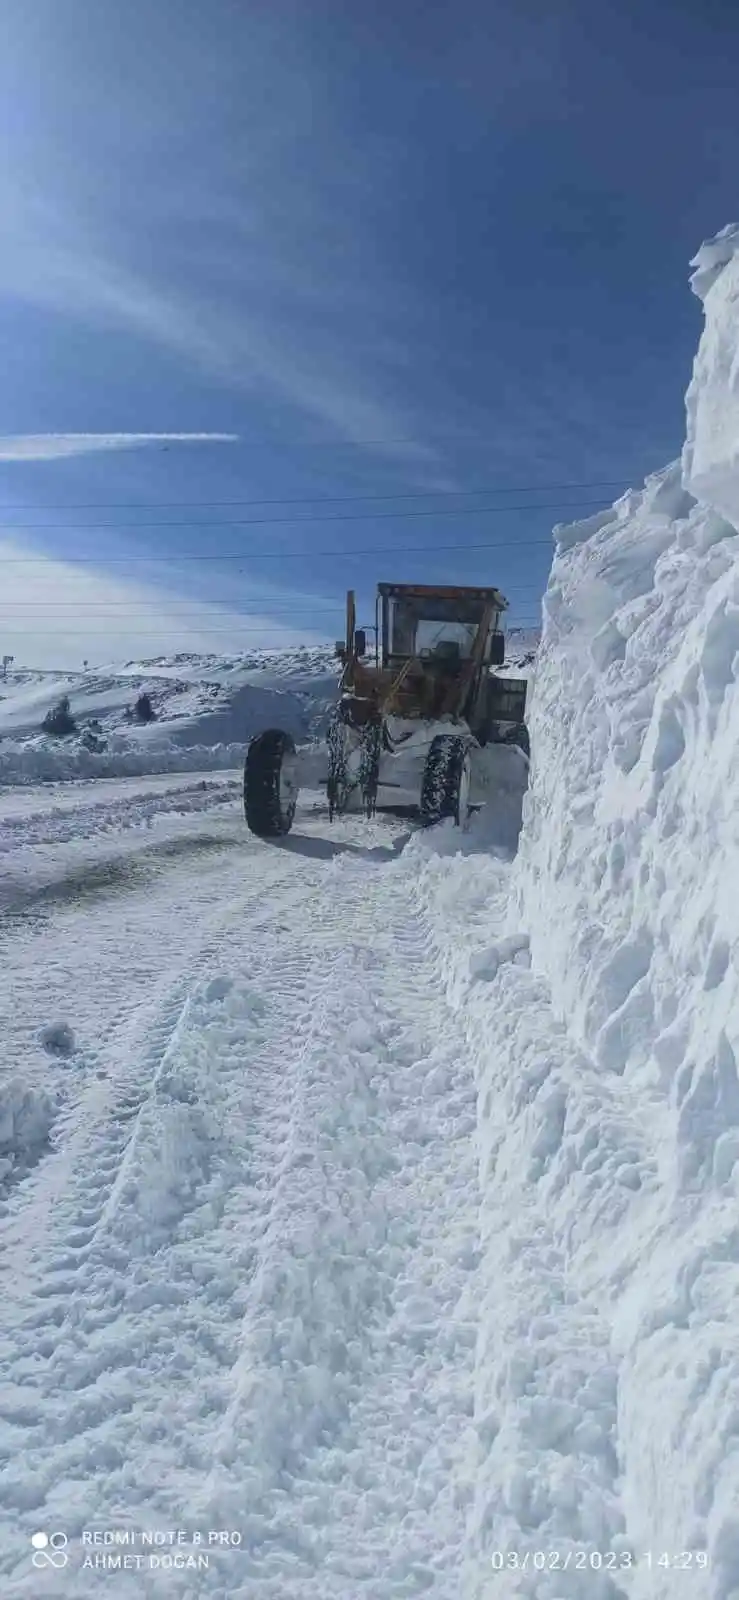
(256,522)
(315,499)
(248,608)
(158,633)
(271,555)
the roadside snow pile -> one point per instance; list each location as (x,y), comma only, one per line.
(612,1138)
(26,1117)
(45,763)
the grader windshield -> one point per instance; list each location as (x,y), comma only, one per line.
(436,626)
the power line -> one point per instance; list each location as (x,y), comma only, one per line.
(272,555)
(132,633)
(256,608)
(121,612)
(158,633)
(70,612)
(517,624)
(316,499)
(189,619)
(256,522)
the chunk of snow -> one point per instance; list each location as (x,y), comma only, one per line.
(26,1119)
(711,452)
(710,260)
(58,1039)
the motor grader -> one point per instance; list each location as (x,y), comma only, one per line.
(412,728)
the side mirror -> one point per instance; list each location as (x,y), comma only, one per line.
(497,649)
(340,649)
(360,642)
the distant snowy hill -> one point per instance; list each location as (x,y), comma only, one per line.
(521,647)
(206,708)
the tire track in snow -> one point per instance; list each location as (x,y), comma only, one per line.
(99,1130)
(354,1309)
(290,1260)
(89,815)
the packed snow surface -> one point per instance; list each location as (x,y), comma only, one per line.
(243,1262)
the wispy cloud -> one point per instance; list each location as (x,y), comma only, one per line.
(55,614)
(266,260)
(58,446)
(293,351)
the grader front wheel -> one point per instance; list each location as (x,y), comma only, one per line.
(270,784)
(445,790)
(337,782)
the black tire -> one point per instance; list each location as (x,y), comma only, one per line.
(442,788)
(520,737)
(269,807)
(337,786)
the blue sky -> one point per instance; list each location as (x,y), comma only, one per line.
(397,250)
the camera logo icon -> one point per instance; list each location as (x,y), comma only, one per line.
(49,1549)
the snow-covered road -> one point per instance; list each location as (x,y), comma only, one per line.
(322,1233)
(240,1280)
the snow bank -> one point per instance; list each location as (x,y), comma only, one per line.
(56,762)
(611,1140)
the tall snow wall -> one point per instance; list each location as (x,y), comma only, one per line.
(627,884)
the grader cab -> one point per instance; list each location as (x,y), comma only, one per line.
(435,649)
(413,718)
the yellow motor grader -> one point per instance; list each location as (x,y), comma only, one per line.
(414,724)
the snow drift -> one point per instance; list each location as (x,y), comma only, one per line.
(610,1143)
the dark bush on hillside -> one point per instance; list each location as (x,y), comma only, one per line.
(59,720)
(143,710)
